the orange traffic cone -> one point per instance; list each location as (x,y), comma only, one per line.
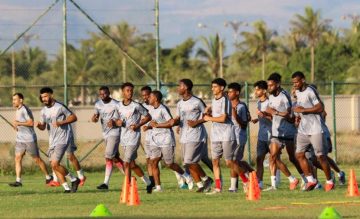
(353,189)
(124,196)
(253,192)
(134,199)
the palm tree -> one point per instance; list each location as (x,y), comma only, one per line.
(259,42)
(213,53)
(311,26)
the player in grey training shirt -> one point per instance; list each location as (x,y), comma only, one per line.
(132,116)
(193,136)
(26,141)
(240,118)
(57,119)
(223,140)
(283,131)
(264,133)
(309,106)
(106,112)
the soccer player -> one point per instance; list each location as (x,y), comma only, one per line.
(223,140)
(283,131)
(240,117)
(26,140)
(309,106)
(193,137)
(132,116)
(145,94)
(57,119)
(106,112)
(163,140)
(264,133)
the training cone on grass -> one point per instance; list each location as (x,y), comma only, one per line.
(124,195)
(353,189)
(134,199)
(253,192)
(329,213)
(100,211)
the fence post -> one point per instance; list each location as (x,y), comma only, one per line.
(333,93)
(157,29)
(65,59)
(248,127)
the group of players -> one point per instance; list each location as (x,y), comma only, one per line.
(293,121)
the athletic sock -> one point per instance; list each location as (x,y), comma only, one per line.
(55,177)
(178,178)
(291,178)
(108,171)
(66,186)
(218,184)
(151,178)
(204,178)
(243,177)
(71,177)
(273,181)
(47,177)
(146,180)
(310,179)
(158,187)
(233,183)
(80,174)
(18,179)
(200,184)
(329,181)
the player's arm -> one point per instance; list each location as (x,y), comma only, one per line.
(28,123)
(219,119)
(167,124)
(41,126)
(142,122)
(69,119)
(318,108)
(95,118)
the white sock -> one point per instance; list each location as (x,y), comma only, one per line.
(158,187)
(338,174)
(233,183)
(71,177)
(80,174)
(18,179)
(273,181)
(47,177)
(310,179)
(329,181)
(200,184)
(106,180)
(204,178)
(291,178)
(66,186)
(146,180)
(179,178)
(55,177)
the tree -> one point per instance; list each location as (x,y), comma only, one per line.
(259,42)
(311,26)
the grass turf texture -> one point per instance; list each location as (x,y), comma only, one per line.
(35,200)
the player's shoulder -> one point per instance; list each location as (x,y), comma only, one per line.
(198,100)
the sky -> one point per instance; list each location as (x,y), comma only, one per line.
(179,19)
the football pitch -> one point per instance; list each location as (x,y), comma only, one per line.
(35,200)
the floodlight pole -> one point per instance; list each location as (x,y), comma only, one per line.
(157,28)
(65,52)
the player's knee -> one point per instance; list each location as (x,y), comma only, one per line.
(18,158)
(215,162)
(322,158)
(300,156)
(229,163)
(55,165)
(71,157)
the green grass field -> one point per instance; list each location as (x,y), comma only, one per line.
(35,200)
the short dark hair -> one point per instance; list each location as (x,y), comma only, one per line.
(126,84)
(219,81)
(188,83)
(20,95)
(261,84)
(235,86)
(157,94)
(146,88)
(275,77)
(105,88)
(46,90)
(298,74)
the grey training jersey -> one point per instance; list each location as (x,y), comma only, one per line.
(107,112)
(240,133)
(24,133)
(222,131)
(310,123)
(191,109)
(264,124)
(58,112)
(131,115)
(161,137)
(149,131)
(280,126)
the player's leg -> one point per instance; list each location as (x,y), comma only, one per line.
(111,149)
(261,150)
(75,162)
(274,149)
(155,157)
(290,149)
(19,154)
(333,165)
(205,157)
(147,150)
(216,154)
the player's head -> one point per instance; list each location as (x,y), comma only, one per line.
(155,97)
(185,85)
(273,82)
(218,86)
(17,99)
(234,91)
(145,94)
(298,80)
(104,93)
(46,96)
(127,89)
(260,88)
